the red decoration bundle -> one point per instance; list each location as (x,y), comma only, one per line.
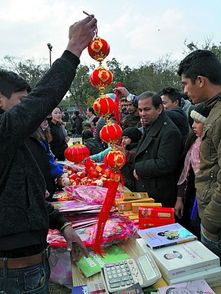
(110,133)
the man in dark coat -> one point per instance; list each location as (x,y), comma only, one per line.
(25,216)
(171,98)
(157,155)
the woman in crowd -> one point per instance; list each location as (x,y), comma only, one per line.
(39,145)
(92,118)
(59,136)
(185,208)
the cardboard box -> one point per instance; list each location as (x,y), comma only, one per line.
(135,206)
(127,205)
(134,195)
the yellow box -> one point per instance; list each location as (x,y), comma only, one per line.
(134,195)
(124,206)
(133,217)
(136,205)
(127,205)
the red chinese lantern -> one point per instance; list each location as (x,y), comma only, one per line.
(115,159)
(104,106)
(111,133)
(76,152)
(101,78)
(98,49)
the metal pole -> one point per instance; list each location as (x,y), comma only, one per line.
(50,49)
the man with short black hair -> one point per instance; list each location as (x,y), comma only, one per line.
(171,98)
(200,72)
(157,155)
(25,216)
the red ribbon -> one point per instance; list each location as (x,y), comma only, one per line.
(103,216)
(117,113)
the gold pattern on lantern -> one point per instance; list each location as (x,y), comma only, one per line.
(96,45)
(103,75)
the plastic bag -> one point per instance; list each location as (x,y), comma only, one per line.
(89,194)
(60,264)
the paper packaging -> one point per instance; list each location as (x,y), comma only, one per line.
(212,277)
(135,206)
(134,195)
(182,259)
(127,205)
(166,235)
(155,216)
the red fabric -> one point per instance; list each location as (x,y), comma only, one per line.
(104,214)
(117,113)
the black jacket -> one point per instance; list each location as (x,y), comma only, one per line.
(179,118)
(77,125)
(94,146)
(25,216)
(157,159)
(58,143)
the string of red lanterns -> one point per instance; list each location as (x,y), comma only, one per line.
(111,132)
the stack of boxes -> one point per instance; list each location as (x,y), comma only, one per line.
(131,201)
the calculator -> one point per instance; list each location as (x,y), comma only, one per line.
(123,274)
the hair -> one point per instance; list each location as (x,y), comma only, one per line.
(86,134)
(201,63)
(41,135)
(11,83)
(172,93)
(156,99)
(91,109)
(76,112)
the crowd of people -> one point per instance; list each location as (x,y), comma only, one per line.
(172,143)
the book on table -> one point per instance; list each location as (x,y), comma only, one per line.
(181,259)
(190,287)
(212,277)
(167,235)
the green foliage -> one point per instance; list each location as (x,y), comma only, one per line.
(27,69)
(152,76)
(81,88)
(206,45)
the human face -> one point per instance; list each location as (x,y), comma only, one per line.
(126,140)
(167,103)
(193,90)
(15,99)
(197,128)
(148,113)
(56,115)
(123,105)
(130,108)
(44,124)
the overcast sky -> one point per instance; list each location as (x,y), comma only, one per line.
(137,30)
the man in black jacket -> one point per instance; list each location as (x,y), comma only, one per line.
(25,216)
(171,98)
(158,152)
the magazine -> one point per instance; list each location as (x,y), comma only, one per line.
(167,235)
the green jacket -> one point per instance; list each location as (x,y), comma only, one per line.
(208,180)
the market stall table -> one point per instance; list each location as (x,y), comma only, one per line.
(133,251)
